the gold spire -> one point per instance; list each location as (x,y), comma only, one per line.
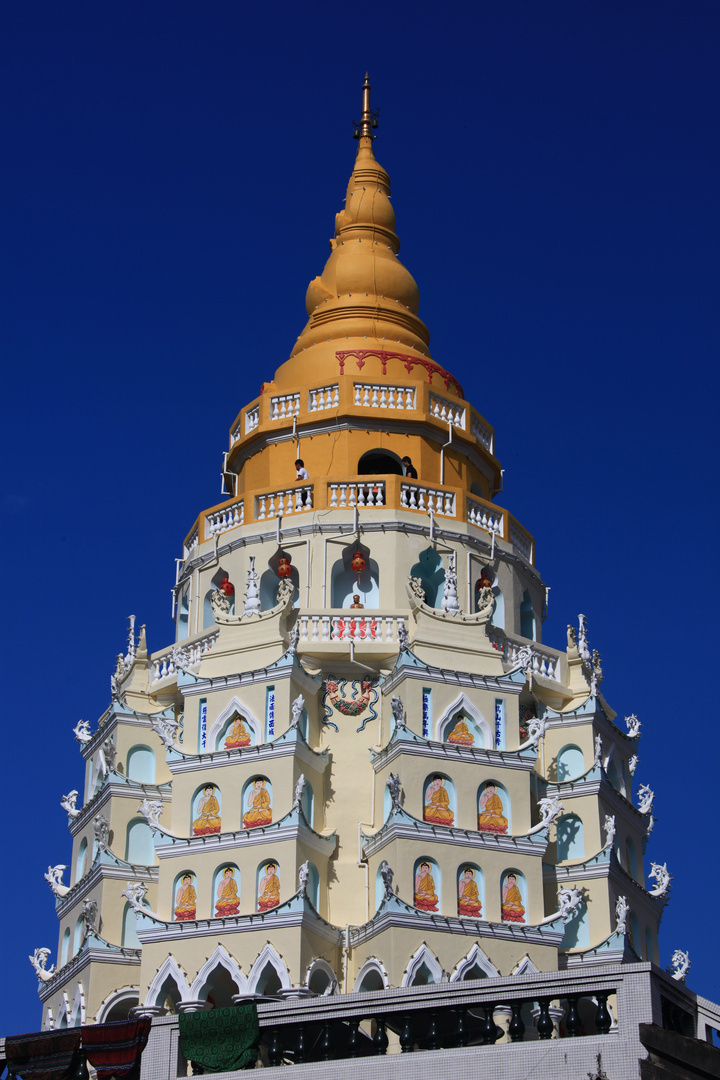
(369,119)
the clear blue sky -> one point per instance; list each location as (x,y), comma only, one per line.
(171,173)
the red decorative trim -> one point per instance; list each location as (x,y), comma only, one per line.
(409,363)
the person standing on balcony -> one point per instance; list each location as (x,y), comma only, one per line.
(409,468)
(302,473)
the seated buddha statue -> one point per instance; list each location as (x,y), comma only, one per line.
(490,817)
(269,891)
(468,896)
(512,905)
(228,902)
(425,895)
(461,734)
(437,804)
(237,735)
(259,810)
(208,820)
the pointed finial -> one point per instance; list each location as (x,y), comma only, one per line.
(369,119)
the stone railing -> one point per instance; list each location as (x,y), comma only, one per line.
(284,405)
(219,521)
(369,494)
(380,396)
(185,654)
(348,625)
(486,517)
(252,419)
(449,411)
(429,500)
(289,501)
(482,432)
(522,541)
(324,397)
(192,542)
(537,658)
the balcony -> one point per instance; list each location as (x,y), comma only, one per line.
(337,627)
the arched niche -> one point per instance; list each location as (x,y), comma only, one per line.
(613,775)
(494,808)
(371,976)
(225,896)
(307,803)
(257,802)
(218,980)
(208,615)
(78,935)
(380,462)
(139,845)
(169,984)
(185,897)
(206,809)
(427,885)
(424,969)
(346,583)
(513,897)
(268,885)
(90,778)
(81,861)
(117,1006)
(429,568)
(528,627)
(183,617)
(576,931)
(470,893)
(570,838)
(268,974)
(321,978)
(632,859)
(217,736)
(497,618)
(570,763)
(463,710)
(439,800)
(65,950)
(270,581)
(130,939)
(475,965)
(141,765)
(313,886)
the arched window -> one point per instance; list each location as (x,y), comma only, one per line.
(462,730)
(270,581)
(78,935)
(81,860)
(206,810)
(470,895)
(427,885)
(370,977)
(379,463)
(220,988)
(346,583)
(632,863)
(527,617)
(423,968)
(183,620)
(313,886)
(65,952)
(439,800)
(257,802)
(429,568)
(321,978)
(234,729)
(570,763)
(141,765)
(130,938)
(513,897)
(308,803)
(225,898)
(185,894)
(498,612)
(570,838)
(268,886)
(139,846)
(494,808)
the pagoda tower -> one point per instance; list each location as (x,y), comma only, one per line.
(357,765)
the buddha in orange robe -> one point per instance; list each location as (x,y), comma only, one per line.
(512,906)
(269,893)
(260,810)
(491,818)
(228,902)
(437,804)
(425,895)
(468,896)
(186,900)
(237,735)
(460,735)
(209,813)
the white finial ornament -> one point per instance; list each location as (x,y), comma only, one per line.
(582,640)
(633,726)
(681,962)
(622,910)
(54,878)
(165,728)
(398,711)
(39,960)
(294,640)
(297,707)
(299,789)
(89,915)
(395,788)
(550,808)
(403,640)
(598,751)
(82,732)
(101,828)
(68,804)
(387,875)
(646,796)
(303,874)
(151,811)
(633,764)
(107,755)
(252,591)
(450,601)
(536,730)
(609,830)
(659,873)
(568,901)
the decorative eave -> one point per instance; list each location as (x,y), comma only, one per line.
(593,709)
(409,666)
(596,782)
(290,743)
(615,949)
(292,826)
(402,826)
(287,666)
(405,741)
(121,787)
(100,952)
(605,865)
(116,714)
(106,866)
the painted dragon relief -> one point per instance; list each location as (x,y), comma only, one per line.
(350,697)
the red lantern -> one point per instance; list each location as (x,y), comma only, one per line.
(227,587)
(284,568)
(357,562)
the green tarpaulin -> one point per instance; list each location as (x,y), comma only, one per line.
(221,1040)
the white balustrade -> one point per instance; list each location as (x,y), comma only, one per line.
(380,396)
(349,625)
(449,411)
(191,543)
(324,397)
(429,500)
(521,541)
(168,663)
(221,520)
(370,494)
(482,433)
(542,662)
(252,418)
(290,501)
(485,517)
(284,405)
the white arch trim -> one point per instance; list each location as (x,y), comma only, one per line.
(463,702)
(77,1012)
(117,997)
(525,967)
(475,958)
(170,967)
(322,965)
(63,1011)
(268,956)
(220,958)
(371,965)
(234,707)
(431,962)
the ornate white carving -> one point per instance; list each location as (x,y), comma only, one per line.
(622,911)
(107,756)
(450,601)
(485,603)
(252,590)
(395,788)
(536,730)
(609,830)
(294,639)
(633,726)
(90,912)
(135,894)
(303,874)
(220,601)
(659,873)
(633,764)
(681,962)
(402,635)
(524,657)
(101,828)
(151,811)
(285,591)
(645,796)
(571,637)
(582,643)
(598,751)
(165,727)
(116,679)
(82,732)
(387,875)
(416,588)
(68,804)
(550,808)
(54,879)
(39,960)
(299,789)
(398,711)
(297,707)
(568,901)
